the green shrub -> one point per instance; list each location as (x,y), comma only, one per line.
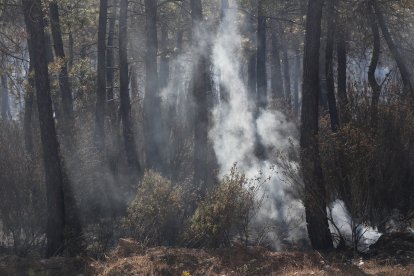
(156,215)
(226,212)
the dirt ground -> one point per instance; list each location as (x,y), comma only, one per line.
(130,258)
(242,261)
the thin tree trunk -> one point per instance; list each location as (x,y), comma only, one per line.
(330,82)
(314,201)
(252,74)
(404,72)
(53,171)
(153,130)
(125,109)
(342,60)
(296,83)
(261,57)
(65,90)
(201,113)
(164,60)
(110,64)
(101,77)
(376,88)
(277,81)
(5,101)
(286,69)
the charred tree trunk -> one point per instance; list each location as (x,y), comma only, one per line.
(286,69)
(5,102)
(101,77)
(376,88)
(261,58)
(277,81)
(164,60)
(53,171)
(200,86)
(153,130)
(110,64)
(314,201)
(65,90)
(296,82)
(342,59)
(405,75)
(252,74)
(125,109)
(330,82)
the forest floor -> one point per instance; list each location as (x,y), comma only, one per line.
(129,258)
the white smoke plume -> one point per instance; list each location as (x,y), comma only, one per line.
(235,129)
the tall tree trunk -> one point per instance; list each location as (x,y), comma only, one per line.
(153,129)
(376,88)
(65,90)
(314,201)
(53,172)
(224,95)
(277,81)
(223,8)
(252,74)
(200,86)
(341,49)
(261,78)
(261,57)
(5,102)
(402,67)
(164,60)
(329,51)
(110,64)
(286,69)
(101,77)
(296,82)
(125,109)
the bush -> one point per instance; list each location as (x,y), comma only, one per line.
(156,215)
(226,212)
(22,199)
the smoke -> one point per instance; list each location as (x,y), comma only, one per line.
(350,229)
(234,131)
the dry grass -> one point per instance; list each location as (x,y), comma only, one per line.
(242,261)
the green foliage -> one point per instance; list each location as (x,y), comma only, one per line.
(226,212)
(370,168)
(155,215)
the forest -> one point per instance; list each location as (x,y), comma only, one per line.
(206,137)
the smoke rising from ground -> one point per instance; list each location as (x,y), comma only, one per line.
(235,128)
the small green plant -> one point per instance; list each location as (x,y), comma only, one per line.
(155,215)
(226,212)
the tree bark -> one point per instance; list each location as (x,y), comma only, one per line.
(125,109)
(200,85)
(110,64)
(65,90)
(296,82)
(153,129)
(376,88)
(252,74)
(286,69)
(329,51)
(404,72)
(164,60)
(53,171)
(342,60)
(277,81)
(314,201)
(5,101)
(101,77)
(261,57)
